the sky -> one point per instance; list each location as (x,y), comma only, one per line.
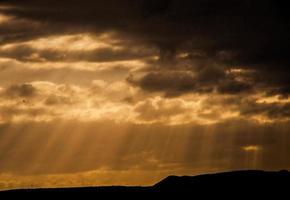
(127,92)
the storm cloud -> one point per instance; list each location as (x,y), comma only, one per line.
(158,86)
(247,34)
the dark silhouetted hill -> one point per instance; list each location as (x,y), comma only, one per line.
(230,185)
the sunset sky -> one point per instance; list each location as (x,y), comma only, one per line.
(127,92)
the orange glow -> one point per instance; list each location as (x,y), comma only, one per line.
(102,94)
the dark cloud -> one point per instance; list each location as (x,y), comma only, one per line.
(234,87)
(19,29)
(282,91)
(210,25)
(249,34)
(172,83)
(22,90)
(151,7)
(206,80)
(270,110)
(210,74)
(277,81)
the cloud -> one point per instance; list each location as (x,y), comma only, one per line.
(119,101)
(173,86)
(77,47)
(57,100)
(234,87)
(270,110)
(209,79)
(154,110)
(47,101)
(22,90)
(172,83)
(249,35)
(201,27)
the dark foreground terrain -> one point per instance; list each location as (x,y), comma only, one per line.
(232,185)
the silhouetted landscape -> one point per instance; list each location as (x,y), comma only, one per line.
(239,183)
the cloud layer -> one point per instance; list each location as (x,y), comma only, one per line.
(154,87)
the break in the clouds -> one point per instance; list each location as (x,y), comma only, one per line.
(142,87)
